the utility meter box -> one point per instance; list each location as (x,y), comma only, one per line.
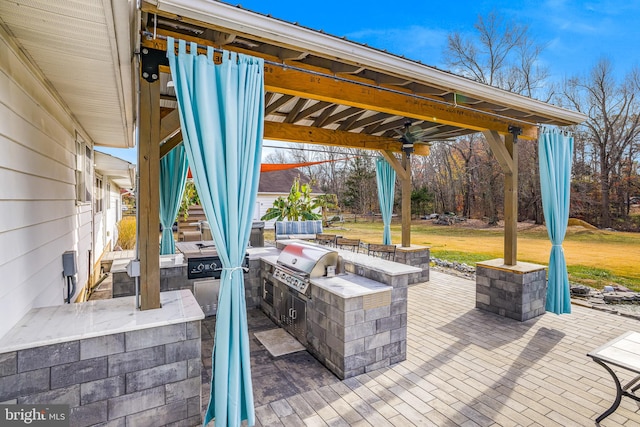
(69,267)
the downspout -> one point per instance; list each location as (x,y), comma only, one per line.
(136,137)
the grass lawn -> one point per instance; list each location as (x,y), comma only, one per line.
(594,257)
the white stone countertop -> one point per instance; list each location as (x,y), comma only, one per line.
(391,268)
(350,285)
(70,322)
(346,285)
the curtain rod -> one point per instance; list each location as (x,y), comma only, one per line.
(151,36)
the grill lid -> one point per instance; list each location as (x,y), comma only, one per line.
(308,259)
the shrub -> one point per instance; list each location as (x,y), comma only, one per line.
(127,233)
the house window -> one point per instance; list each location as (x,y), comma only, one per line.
(83,171)
(108,196)
(99,195)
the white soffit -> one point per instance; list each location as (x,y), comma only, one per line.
(244,21)
(117,170)
(75,46)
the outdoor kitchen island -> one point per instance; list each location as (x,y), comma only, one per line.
(353,321)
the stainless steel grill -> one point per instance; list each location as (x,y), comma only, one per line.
(300,262)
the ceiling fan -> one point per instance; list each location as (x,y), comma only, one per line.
(411,134)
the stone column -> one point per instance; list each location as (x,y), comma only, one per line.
(515,291)
(416,256)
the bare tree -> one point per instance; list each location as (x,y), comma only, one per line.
(613,125)
(502,54)
(467,148)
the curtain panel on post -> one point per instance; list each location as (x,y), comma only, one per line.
(221,113)
(555,152)
(386,179)
(173,175)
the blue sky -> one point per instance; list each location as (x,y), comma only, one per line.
(576,34)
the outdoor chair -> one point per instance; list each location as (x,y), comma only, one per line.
(326,239)
(350,244)
(382,251)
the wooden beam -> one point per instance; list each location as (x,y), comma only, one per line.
(295,110)
(347,123)
(499,150)
(324,88)
(310,135)
(310,110)
(324,116)
(169,125)
(277,104)
(149,195)
(170,144)
(395,164)
(507,155)
(321,85)
(511,204)
(406,202)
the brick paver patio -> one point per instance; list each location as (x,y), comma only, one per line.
(464,367)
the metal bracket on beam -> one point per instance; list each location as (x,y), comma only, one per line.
(515,131)
(151,61)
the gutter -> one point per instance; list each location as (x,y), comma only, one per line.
(119,17)
(245,21)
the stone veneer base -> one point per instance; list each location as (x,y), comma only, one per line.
(352,335)
(517,292)
(416,256)
(123,377)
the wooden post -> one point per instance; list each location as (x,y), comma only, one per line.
(406,201)
(511,204)
(149,195)
(507,155)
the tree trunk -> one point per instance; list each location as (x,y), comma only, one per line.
(605,214)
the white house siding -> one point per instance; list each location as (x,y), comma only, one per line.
(106,222)
(264,202)
(39,219)
(113,210)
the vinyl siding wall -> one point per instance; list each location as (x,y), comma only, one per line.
(39,217)
(106,222)
(264,201)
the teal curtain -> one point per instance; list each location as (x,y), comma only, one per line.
(555,151)
(221,113)
(173,175)
(386,178)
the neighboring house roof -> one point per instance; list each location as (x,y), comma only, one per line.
(121,172)
(280,181)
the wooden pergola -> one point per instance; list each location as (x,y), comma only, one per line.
(325,90)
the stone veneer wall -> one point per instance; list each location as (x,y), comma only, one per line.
(510,293)
(351,339)
(147,377)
